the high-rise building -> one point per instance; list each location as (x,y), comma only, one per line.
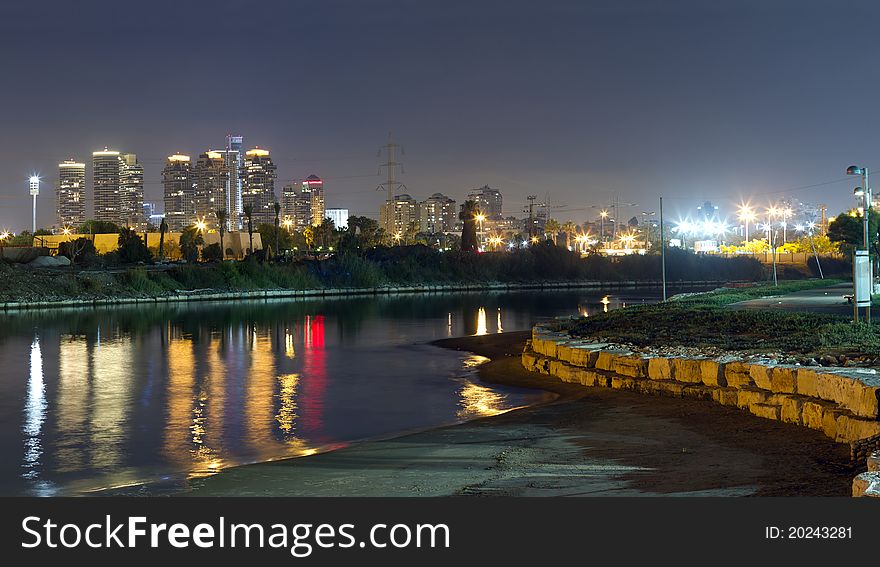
(105,185)
(438,214)
(258,185)
(177,181)
(71,210)
(296,204)
(211,178)
(339,217)
(232,158)
(131,192)
(488,201)
(316,188)
(400,216)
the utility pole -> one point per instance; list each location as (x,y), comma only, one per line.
(391,164)
(391,185)
(662,250)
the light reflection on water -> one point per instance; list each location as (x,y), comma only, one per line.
(119,397)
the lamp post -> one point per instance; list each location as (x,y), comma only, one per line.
(866,193)
(34,183)
(602,216)
(480,218)
(745,215)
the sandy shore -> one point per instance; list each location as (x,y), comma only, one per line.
(589,442)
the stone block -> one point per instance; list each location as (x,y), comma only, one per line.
(736,374)
(586,377)
(767,411)
(661,368)
(712,373)
(605,360)
(584,356)
(791,408)
(850,428)
(688,370)
(855,390)
(622,382)
(725,396)
(783,379)
(829,422)
(670,388)
(697,391)
(874,461)
(761,375)
(745,397)
(866,484)
(812,412)
(633,366)
(808,381)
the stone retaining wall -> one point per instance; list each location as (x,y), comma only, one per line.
(842,403)
(210,295)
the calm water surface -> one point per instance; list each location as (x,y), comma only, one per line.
(130,396)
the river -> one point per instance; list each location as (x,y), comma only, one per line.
(139,399)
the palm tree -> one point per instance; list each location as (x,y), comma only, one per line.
(568,228)
(221,222)
(277,212)
(248,211)
(163,228)
(467,215)
(551,229)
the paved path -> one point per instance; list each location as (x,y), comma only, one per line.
(829,300)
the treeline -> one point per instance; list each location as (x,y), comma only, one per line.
(378,266)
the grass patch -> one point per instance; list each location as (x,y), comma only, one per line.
(704,321)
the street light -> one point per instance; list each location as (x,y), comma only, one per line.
(746,214)
(865,193)
(480,218)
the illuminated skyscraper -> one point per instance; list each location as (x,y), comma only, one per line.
(118,184)
(488,201)
(400,216)
(438,214)
(211,179)
(296,204)
(316,188)
(177,181)
(232,157)
(258,185)
(70,203)
(105,185)
(131,192)
(339,217)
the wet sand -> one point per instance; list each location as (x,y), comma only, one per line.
(588,442)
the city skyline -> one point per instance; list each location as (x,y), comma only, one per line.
(641,113)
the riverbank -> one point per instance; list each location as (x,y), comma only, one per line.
(177,296)
(589,442)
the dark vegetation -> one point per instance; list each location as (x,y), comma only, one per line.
(352,267)
(705,320)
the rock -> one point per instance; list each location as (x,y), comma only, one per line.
(867,484)
(874,461)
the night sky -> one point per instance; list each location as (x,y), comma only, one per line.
(576,100)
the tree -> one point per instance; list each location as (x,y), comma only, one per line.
(277,234)
(212,253)
(190,240)
(98,227)
(468,217)
(163,228)
(569,229)
(551,229)
(221,226)
(277,213)
(132,249)
(77,249)
(847,230)
(248,210)
(366,230)
(325,233)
